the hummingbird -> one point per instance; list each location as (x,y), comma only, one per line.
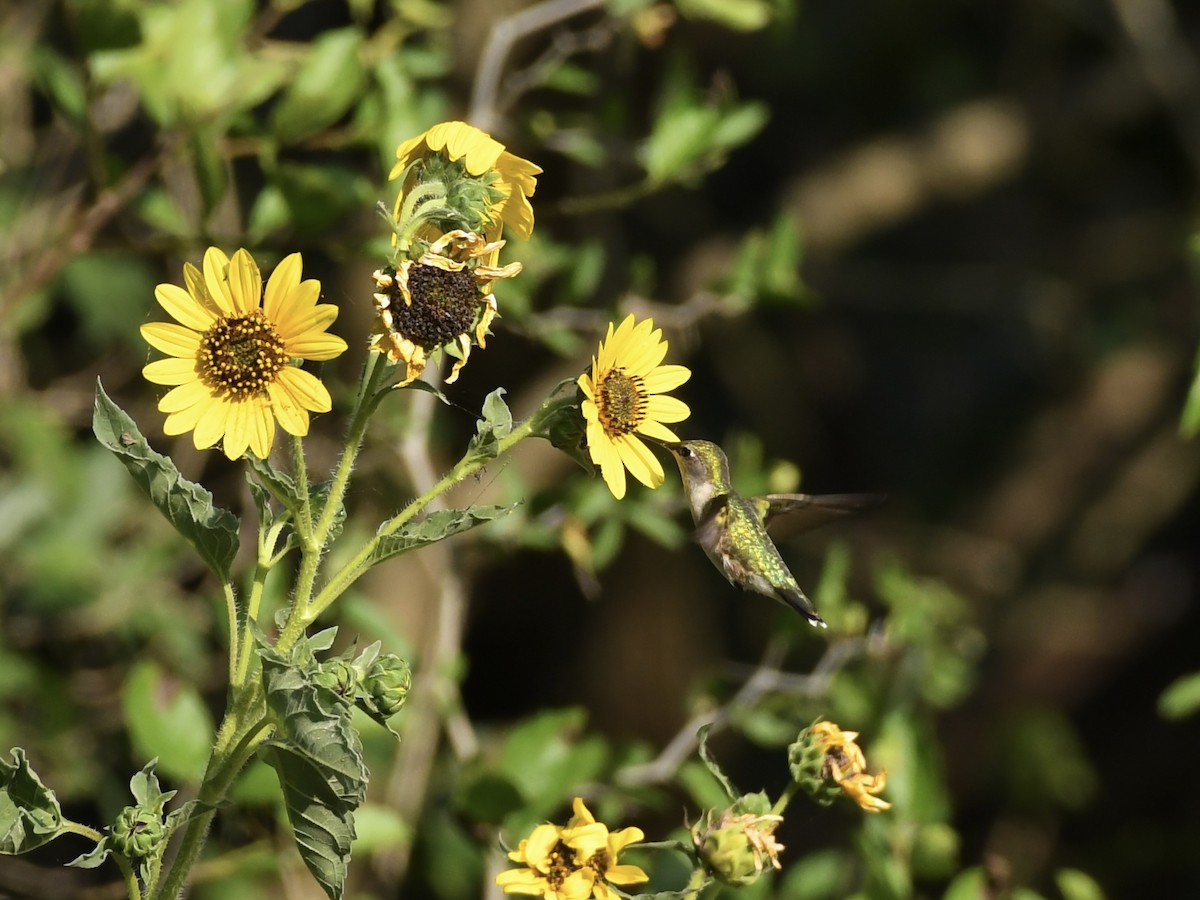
(732,529)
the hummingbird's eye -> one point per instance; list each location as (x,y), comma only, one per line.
(685,452)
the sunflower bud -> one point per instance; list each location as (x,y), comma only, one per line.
(738,845)
(341,677)
(387,685)
(137,832)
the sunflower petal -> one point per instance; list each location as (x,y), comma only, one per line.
(171,339)
(245,283)
(292,416)
(210,427)
(183,307)
(170,371)
(185,396)
(665,378)
(641,463)
(216,280)
(666,409)
(280,286)
(305,389)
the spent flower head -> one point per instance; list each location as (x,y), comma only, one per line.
(230,356)
(626,397)
(441,301)
(740,843)
(455,176)
(825,761)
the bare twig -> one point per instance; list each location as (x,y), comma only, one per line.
(484,110)
(766,678)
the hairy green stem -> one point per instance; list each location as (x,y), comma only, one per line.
(350,572)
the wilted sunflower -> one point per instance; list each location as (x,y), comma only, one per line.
(496,193)
(441,300)
(625,398)
(230,356)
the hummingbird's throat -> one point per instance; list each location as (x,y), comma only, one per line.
(621,402)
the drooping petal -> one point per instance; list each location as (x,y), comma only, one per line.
(185,396)
(658,431)
(522,881)
(238,425)
(260,427)
(305,389)
(293,417)
(625,874)
(210,427)
(641,463)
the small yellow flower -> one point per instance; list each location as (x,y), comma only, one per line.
(572,863)
(845,764)
(550,868)
(597,849)
(441,300)
(510,180)
(625,398)
(230,356)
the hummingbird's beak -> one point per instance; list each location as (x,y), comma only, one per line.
(666,445)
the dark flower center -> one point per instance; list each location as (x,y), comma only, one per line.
(238,357)
(620,402)
(444,305)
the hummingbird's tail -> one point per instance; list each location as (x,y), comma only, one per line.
(794,597)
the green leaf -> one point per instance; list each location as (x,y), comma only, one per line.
(168,719)
(1181,698)
(744,15)
(1076,885)
(29,812)
(711,763)
(1189,424)
(436,526)
(212,531)
(327,85)
(317,754)
(545,758)
(497,422)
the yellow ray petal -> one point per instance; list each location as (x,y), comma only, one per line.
(666,409)
(170,371)
(665,378)
(183,307)
(304,388)
(184,397)
(171,339)
(641,463)
(245,283)
(280,286)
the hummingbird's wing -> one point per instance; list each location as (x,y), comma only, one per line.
(789,514)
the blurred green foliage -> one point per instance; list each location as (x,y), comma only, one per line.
(139,132)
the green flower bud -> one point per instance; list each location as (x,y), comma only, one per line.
(137,832)
(826,762)
(387,685)
(340,677)
(737,847)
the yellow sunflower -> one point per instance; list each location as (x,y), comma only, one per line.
(230,356)
(507,181)
(550,868)
(597,849)
(441,300)
(625,398)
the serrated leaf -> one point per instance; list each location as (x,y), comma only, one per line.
(317,754)
(436,526)
(212,531)
(29,812)
(280,484)
(497,422)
